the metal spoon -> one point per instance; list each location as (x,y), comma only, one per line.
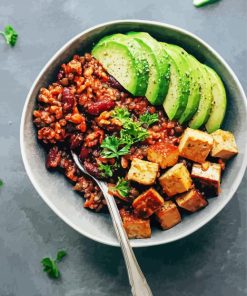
(139,286)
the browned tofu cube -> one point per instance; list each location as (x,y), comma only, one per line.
(176,180)
(135,227)
(143,172)
(147,203)
(163,153)
(191,201)
(168,215)
(224,144)
(208,174)
(195,145)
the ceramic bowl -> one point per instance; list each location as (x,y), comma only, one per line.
(57,192)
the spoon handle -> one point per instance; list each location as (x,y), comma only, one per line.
(139,286)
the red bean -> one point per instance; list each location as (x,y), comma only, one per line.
(95,108)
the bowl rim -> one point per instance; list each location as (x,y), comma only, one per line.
(134,243)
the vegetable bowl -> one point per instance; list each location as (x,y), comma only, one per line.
(158,124)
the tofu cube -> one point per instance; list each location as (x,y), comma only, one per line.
(135,227)
(195,145)
(208,174)
(191,201)
(224,144)
(163,153)
(176,180)
(143,172)
(147,203)
(168,215)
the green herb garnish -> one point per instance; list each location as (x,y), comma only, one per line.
(50,266)
(113,147)
(1,183)
(148,118)
(200,3)
(105,170)
(121,114)
(132,132)
(122,187)
(10,35)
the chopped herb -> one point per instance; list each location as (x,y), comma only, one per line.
(106,170)
(112,147)
(133,132)
(60,255)
(50,266)
(121,114)
(200,3)
(122,187)
(148,118)
(10,35)
(1,183)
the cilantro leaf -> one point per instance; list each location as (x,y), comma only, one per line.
(50,267)
(200,3)
(1,183)
(10,35)
(122,187)
(148,118)
(60,255)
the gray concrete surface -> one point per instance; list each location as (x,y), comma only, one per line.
(209,262)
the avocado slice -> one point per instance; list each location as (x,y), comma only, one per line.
(194,91)
(178,93)
(202,114)
(219,102)
(159,67)
(135,67)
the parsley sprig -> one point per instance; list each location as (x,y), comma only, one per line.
(1,183)
(148,118)
(200,3)
(131,133)
(122,187)
(50,266)
(114,147)
(10,35)
(106,170)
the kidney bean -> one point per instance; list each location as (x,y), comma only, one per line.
(76,141)
(68,100)
(84,153)
(91,168)
(53,157)
(95,108)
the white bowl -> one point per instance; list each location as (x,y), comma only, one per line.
(57,191)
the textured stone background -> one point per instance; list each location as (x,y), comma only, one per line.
(209,262)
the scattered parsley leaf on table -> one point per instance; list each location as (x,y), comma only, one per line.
(1,183)
(200,3)
(60,255)
(122,187)
(50,266)
(10,35)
